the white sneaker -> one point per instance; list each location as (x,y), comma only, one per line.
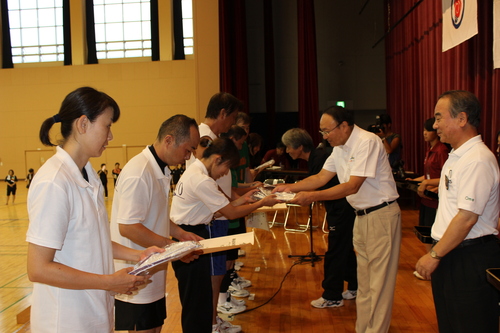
(322,303)
(237,291)
(244,283)
(227,327)
(216,328)
(237,302)
(349,294)
(241,253)
(230,308)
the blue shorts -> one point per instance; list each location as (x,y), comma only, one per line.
(218,228)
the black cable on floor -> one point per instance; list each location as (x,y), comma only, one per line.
(277,291)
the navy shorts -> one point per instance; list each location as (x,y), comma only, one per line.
(139,317)
(218,228)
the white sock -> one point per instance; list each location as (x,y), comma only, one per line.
(222,298)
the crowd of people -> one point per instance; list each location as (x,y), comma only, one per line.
(351,171)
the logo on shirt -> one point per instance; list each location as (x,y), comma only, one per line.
(469,198)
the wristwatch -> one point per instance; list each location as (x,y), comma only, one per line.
(435,255)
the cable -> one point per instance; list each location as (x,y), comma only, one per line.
(297,262)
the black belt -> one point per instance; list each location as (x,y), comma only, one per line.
(362,212)
(474,241)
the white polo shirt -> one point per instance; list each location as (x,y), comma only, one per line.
(364,155)
(196,197)
(469,181)
(68,214)
(142,196)
(224,181)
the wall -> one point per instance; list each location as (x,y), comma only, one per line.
(147,93)
(348,67)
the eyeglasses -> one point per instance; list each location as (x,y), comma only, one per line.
(325,133)
(205,142)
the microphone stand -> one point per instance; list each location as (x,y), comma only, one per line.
(311,257)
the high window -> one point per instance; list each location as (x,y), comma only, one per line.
(36,30)
(187,26)
(122,28)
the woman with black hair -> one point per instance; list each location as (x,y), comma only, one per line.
(70,253)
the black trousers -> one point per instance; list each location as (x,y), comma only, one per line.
(340,258)
(465,301)
(195,289)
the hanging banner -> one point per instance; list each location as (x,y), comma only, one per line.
(496,34)
(459,22)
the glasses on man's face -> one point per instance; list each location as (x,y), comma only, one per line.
(325,133)
(205,142)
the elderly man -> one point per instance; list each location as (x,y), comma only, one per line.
(140,218)
(466,221)
(340,259)
(366,181)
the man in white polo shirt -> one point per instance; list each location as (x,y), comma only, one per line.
(366,181)
(466,221)
(140,218)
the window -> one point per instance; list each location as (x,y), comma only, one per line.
(187,26)
(36,30)
(122,28)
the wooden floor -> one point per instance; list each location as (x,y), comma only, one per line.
(266,264)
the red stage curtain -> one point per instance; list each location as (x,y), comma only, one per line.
(308,73)
(233,49)
(418,72)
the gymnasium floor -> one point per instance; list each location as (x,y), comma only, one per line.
(266,265)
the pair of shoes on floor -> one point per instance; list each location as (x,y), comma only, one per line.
(223,326)
(420,277)
(236,290)
(322,303)
(230,308)
(349,294)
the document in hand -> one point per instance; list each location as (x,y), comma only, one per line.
(226,242)
(172,252)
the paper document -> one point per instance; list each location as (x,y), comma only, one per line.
(226,242)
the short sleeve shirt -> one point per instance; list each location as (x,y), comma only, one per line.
(196,197)
(469,181)
(142,196)
(68,214)
(364,155)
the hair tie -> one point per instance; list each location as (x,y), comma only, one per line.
(57,118)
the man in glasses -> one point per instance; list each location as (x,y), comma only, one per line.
(360,161)
(466,221)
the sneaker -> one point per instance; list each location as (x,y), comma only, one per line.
(241,253)
(236,302)
(216,328)
(322,303)
(244,283)
(237,291)
(230,308)
(238,264)
(227,327)
(349,294)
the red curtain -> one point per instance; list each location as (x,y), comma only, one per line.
(308,73)
(418,72)
(233,49)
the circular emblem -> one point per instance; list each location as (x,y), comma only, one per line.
(457,12)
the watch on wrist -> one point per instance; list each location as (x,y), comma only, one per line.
(435,255)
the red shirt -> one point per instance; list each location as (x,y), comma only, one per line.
(433,163)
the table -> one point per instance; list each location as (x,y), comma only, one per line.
(289,175)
